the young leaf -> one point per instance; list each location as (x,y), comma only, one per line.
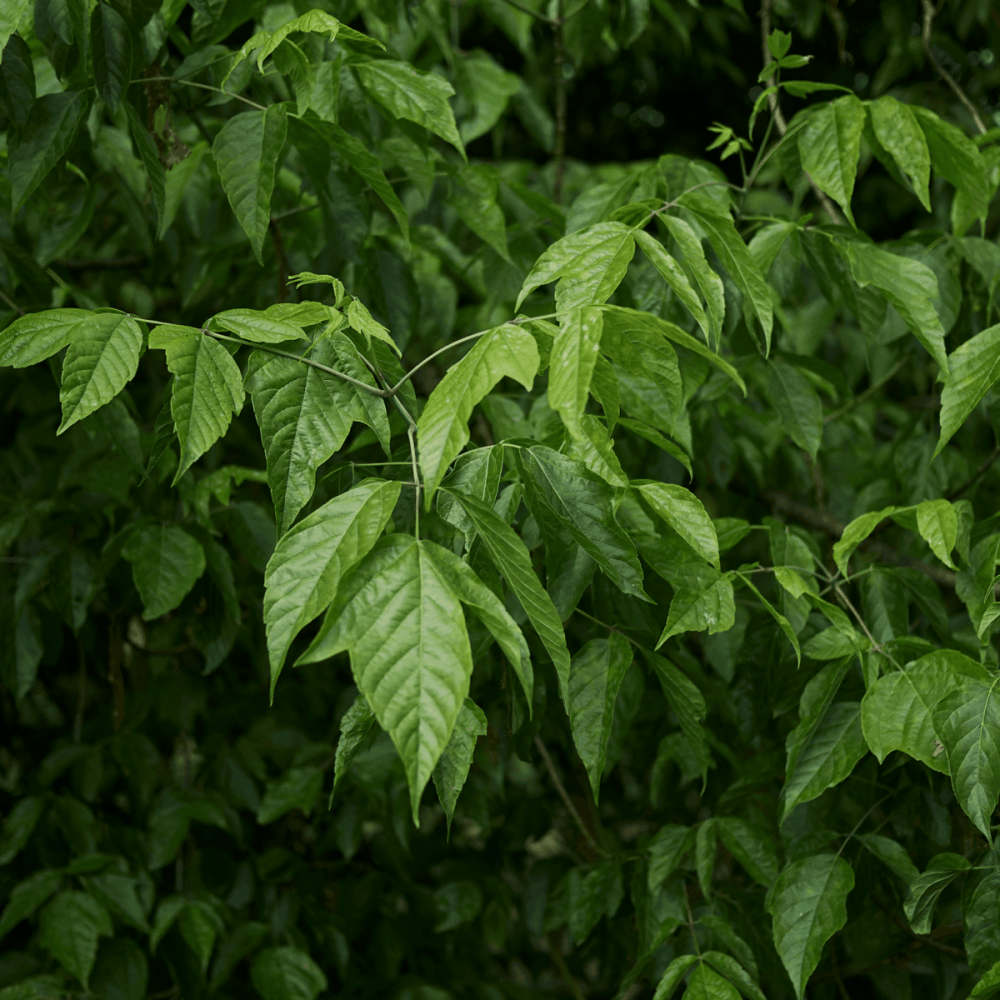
(705,602)
(246,151)
(684,512)
(70,927)
(166,564)
(595,675)
(513,561)
(968,723)
(809,905)
(854,534)
(453,767)
(102,358)
(304,416)
(207,389)
(896,127)
(925,890)
(573,357)
(51,128)
(310,560)
(830,145)
(898,712)
(407,93)
(354,727)
(975,369)
(566,496)
(937,522)
(589,265)
(111,40)
(443,426)
(256,326)
(404,628)
(797,404)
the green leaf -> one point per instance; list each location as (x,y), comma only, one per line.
(456,903)
(688,705)
(706,846)
(407,93)
(37,336)
(705,602)
(898,712)
(151,161)
(354,728)
(304,416)
(18,826)
(925,890)
(102,359)
(897,129)
(752,848)
(705,984)
(666,850)
(111,41)
(673,975)
(734,972)
(246,152)
(199,925)
(968,724)
(589,265)
(52,126)
(975,369)
(166,564)
(595,675)
(69,928)
(782,621)
(574,354)
(778,43)
(830,145)
(513,561)
(907,284)
(982,927)
(854,534)
(363,162)
(207,389)
(891,854)
(121,971)
(297,788)
(809,905)
(167,911)
(674,276)
(685,513)
(10,18)
(453,766)
(822,751)
(286,973)
(489,88)
(443,426)
(797,404)
(709,283)
(404,628)
(564,495)
(360,319)
(489,609)
(27,896)
(736,258)
(310,560)
(937,522)
(117,893)
(474,198)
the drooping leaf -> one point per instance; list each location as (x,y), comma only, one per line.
(685,513)
(855,533)
(708,282)
(574,354)
(246,151)
(70,927)
(673,975)
(453,766)
(896,128)
(734,973)
(166,564)
(892,854)
(27,896)
(18,826)
(937,522)
(311,559)
(752,847)
(595,676)
(354,728)
(404,628)
(102,358)
(927,887)
(474,198)
(666,850)
(673,274)
(830,146)
(808,904)
(689,706)
(705,601)
(111,41)
(407,93)
(207,389)
(797,404)
(443,426)
(286,973)
(975,369)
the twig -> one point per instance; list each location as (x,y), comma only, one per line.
(976,476)
(559,142)
(202,86)
(374,390)
(567,801)
(411,434)
(12,304)
(431,357)
(776,114)
(922,938)
(841,988)
(279,253)
(943,73)
(555,950)
(102,263)
(690,921)
(867,394)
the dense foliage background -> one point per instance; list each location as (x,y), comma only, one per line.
(721,751)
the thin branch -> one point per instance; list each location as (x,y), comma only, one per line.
(567,801)
(867,394)
(102,263)
(12,303)
(411,434)
(929,13)
(555,950)
(841,988)
(922,938)
(202,86)
(430,357)
(690,922)
(776,114)
(559,141)
(976,476)
(306,361)
(281,216)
